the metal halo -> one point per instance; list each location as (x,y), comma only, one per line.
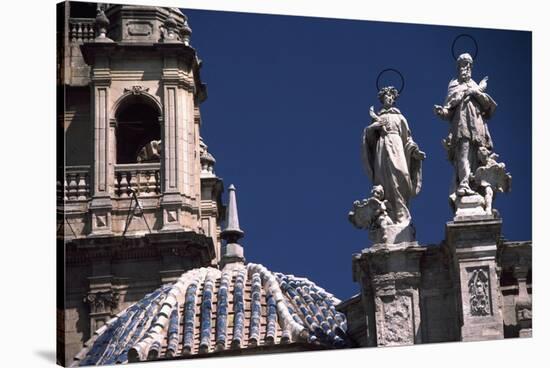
(391,70)
(456,39)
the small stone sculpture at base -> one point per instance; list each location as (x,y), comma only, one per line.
(373,214)
(490,177)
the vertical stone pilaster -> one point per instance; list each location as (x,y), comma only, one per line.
(173,155)
(103,171)
(391,275)
(473,248)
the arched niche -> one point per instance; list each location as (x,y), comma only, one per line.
(138,118)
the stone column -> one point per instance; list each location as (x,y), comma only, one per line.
(391,274)
(103,172)
(473,248)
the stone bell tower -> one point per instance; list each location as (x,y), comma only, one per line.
(139,202)
(141,56)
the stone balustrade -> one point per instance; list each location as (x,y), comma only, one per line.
(76,186)
(144,179)
(81,30)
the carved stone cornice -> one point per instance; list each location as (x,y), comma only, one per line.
(186,244)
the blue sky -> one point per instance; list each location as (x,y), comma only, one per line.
(288,100)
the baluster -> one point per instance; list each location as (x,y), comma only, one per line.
(73,194)
(118,189)
(152,183)
(79,32)
(123,185)
(141,179)
(87,179)
(133,181)
(73,32)
(157,181)
(81,187)
(90,31)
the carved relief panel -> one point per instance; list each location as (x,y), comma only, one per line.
(479,291)
(395,320)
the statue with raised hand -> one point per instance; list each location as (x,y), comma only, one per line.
(467,107)
(391,157)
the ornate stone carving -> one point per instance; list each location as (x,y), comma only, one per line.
(478,287)
(102,301)
(136,90)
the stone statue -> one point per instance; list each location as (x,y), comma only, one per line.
(391,158)
(150,152)
(393,162)
(468,107)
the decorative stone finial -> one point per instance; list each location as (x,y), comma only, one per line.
(101,24)
(233,251)
(207,160)
(186,32)
(170,29)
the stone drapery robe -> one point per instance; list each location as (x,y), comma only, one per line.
(388,159)
(467,115)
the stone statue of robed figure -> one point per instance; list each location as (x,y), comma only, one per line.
(393,162)
(469,145)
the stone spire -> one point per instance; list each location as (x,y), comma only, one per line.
(233,251)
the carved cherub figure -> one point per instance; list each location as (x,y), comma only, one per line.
(371,213)
(381,206)
(490,176)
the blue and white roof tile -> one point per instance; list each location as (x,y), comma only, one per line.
(209,310)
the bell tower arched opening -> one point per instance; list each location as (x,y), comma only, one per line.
(138,131)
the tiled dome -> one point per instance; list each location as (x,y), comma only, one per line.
(208,310)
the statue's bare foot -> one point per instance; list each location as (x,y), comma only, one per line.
(464,191)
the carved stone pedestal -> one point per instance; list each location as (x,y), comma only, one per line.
(390,278)
(473,248)
(393,234)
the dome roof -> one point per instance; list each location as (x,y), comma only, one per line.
(208,310)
